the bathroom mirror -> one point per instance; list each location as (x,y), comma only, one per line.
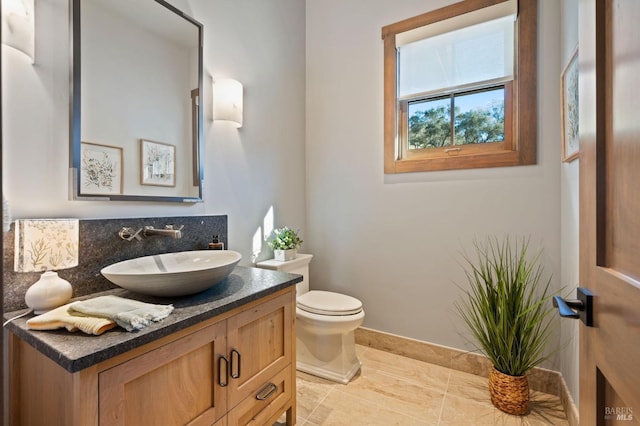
(136,85)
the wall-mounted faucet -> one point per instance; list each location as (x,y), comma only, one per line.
(129,234)
(168,231)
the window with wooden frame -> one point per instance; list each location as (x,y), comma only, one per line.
(460,87)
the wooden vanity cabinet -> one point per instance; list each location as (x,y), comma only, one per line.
(234,369)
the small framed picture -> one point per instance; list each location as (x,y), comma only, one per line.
(158,163)
(570,116)
(100,169)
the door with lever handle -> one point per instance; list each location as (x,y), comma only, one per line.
(580,308)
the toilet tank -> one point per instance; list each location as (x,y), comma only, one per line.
(299,265)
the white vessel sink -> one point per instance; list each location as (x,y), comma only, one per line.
(173,274)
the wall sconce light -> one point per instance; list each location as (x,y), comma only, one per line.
(227,101)
(18,26)
(45,245)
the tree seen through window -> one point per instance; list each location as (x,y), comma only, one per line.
(478,118)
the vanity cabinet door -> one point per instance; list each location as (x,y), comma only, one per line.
(175,384)
(259,341)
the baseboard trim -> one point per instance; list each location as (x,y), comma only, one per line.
(540,379)
(569,406)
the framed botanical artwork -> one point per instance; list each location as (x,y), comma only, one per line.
(100,169)
(570,116)
(157,163)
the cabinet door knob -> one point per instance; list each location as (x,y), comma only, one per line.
(235,364)
(223,370)
(266,392)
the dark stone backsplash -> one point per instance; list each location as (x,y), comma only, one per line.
(100,246)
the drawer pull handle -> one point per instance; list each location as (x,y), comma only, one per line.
(223,371)
(265,393)
(235,364)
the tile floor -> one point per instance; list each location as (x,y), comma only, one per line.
(395,390)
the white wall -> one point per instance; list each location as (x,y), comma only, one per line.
(569,217)
(246,172)
(394,241)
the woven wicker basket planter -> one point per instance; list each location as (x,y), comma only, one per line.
(509,393)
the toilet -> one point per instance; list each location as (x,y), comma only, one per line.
(325,325)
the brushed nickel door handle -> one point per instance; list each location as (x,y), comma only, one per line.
(223,377)
(266,392)
(235,364)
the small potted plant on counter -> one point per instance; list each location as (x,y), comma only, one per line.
(284,242)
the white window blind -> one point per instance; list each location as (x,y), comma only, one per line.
(448,59)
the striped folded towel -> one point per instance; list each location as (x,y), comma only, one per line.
(61,318)
(128,314)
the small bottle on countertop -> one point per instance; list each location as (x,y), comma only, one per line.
(215,244)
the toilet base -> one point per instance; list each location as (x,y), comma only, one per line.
(332,357)
(340,377)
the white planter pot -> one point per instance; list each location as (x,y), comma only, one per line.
(284,255)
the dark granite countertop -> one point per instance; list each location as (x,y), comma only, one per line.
(76,351)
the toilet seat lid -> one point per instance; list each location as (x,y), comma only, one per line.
(329,303)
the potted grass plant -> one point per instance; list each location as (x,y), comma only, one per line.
(284,242)
(507,309)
